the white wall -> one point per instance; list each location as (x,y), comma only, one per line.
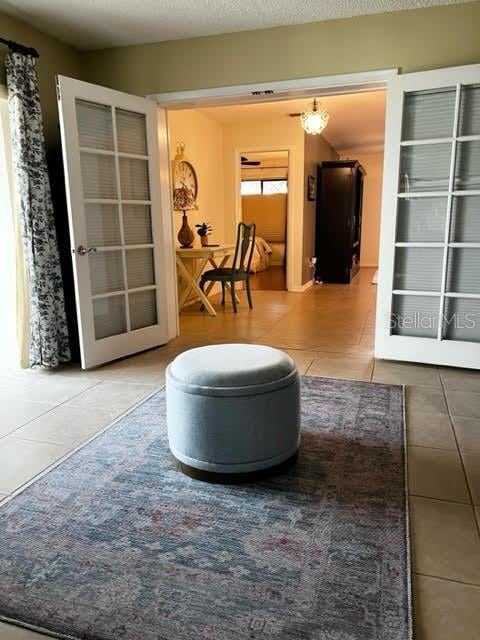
(372,162)
(203,138)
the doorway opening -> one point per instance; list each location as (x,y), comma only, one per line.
(255,163)
(264,201)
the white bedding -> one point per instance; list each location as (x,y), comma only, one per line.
(261,255)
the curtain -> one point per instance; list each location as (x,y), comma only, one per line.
(49,344)
(14,286)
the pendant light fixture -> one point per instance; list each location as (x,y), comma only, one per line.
(314,121)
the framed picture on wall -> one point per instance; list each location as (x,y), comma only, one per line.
(311,188)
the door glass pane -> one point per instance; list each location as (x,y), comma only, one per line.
(98,176)
(106,271)
(425,167)
(470,111)
(137,224)
(140,270)
(103,225)
(143,308)
(109,316)
(428,114)
(95,127)
(134,181)
(465,225)
(463,272)
(462,319)
(131,132)
(418,268)
(415,316)
(421,219)
(467,166)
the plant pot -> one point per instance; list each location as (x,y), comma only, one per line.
(204,240)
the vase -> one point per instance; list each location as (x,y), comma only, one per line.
(204,241)
(185,235)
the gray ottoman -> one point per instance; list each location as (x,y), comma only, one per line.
(233,409)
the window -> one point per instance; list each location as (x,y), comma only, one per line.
(251,187)
(263,187)
(270,187)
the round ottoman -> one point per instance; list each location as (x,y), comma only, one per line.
(232,410)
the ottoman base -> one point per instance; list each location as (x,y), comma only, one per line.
(234,478)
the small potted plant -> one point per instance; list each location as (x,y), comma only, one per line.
(204,230)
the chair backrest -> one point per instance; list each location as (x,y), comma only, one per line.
(244,246)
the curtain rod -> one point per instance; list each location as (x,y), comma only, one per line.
(15,47)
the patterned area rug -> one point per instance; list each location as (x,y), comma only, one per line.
(116,543)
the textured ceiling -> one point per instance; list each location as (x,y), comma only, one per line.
(95,24)
(356,119)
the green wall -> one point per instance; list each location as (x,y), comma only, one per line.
(55,58)
(411,40)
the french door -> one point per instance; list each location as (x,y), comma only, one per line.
(118,230)
(428,306)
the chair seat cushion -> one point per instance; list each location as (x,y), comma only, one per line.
(224,272)
(232,366)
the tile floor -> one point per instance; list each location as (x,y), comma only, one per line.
(329,332)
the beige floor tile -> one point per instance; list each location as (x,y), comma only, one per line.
(406,373)
(341,366)
(303,359)
(445,540)
(430,430)
(445,610)
(22,460)
(67,425)
(465,404)
(15,413)
(471,461)
(425,399)
(460,379)
(54,389)
(11,632)
(436,473)
(113,396)
(467,431)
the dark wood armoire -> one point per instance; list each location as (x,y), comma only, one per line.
(339,220)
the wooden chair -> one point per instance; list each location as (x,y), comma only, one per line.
(241,273)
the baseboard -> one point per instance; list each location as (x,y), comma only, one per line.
(302,288)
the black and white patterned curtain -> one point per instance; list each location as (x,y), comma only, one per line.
(49,344)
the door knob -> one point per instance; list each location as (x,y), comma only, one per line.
(82,251)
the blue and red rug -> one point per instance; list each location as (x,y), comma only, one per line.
(116,543)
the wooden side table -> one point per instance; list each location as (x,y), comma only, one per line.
(198,258)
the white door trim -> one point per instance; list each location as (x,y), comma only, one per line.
(276,90)
(292,241)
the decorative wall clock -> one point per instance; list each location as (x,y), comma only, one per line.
(185,189)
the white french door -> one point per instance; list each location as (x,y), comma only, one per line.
(428,306)
(119,230)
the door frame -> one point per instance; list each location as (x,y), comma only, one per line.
(290,244)
(273,91)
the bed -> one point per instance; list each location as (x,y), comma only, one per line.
(261,255)
(269,213)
